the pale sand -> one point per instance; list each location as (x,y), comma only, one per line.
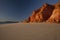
(32,31)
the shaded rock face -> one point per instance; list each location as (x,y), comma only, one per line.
(47,13)
(55,17)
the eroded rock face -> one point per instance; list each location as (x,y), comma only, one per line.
(55,17)
(57,5)
(47,13)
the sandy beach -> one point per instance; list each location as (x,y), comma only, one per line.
(30,31)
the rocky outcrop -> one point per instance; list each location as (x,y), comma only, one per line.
(47,13)
(55,17)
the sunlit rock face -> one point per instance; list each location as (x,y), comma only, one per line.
(46,13)
(55,17)
(57,5)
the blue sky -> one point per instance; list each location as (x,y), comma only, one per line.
(18,10)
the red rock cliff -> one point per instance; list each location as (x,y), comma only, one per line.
(47,13)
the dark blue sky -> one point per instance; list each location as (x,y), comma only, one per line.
(20,9)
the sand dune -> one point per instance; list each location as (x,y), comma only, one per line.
(30,31)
